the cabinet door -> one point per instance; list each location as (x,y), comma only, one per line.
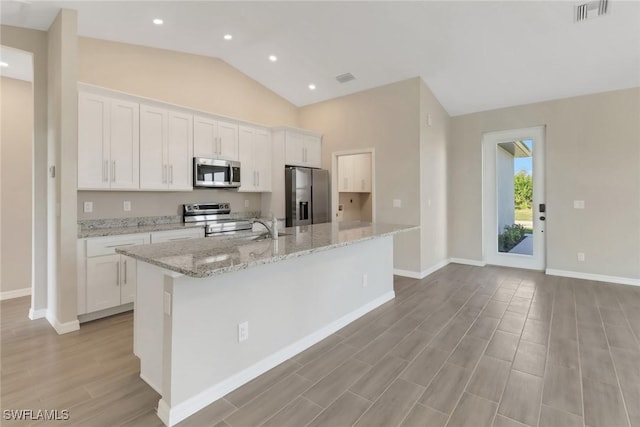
(176,235)
(294,149)
(103,284)
(128,268)
(93,141)
(154,170)
(345,174)
(179,151)
(227,141)
(125,144)
(248,176)
(364,171)
(205,137)
(262,154)
(312,154)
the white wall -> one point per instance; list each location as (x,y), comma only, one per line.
(592,154)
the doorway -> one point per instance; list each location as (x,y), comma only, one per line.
(514,210)
(353,185)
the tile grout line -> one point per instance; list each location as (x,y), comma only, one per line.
(546,362)
(478,362)
(613,362)
(575,309)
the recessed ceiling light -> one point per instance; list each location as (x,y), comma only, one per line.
(228,36)
(3,64)
(158,21)
(312,87)
(273,58)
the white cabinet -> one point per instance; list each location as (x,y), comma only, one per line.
(166,149)
(108,143)
(354,173)
(110,278)
(215,139)
(302,149)
(255,159)
(177,235)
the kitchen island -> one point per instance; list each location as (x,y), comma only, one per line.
(210,315)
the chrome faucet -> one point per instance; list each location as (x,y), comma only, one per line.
(273,229)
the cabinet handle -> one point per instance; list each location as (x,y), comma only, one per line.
(118,274)
(258,175)
(219,145)
(113,173)
(125,271)
(164,174)
(120,245)
(105,171)
(171,174)
(179,238)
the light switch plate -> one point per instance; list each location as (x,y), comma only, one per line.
(578,204)
(126,205)
(397,203)
(88,207)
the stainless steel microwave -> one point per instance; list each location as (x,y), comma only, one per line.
(214,173)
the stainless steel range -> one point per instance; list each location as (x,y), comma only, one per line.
(216,218)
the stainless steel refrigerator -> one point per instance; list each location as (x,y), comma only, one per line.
(307,196)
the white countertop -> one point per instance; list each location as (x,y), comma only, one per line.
(210,256)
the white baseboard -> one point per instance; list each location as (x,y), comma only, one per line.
(423,273)
(62,328)
(173,415)
(15,293)
(591,276)
(37,314)
(468,262)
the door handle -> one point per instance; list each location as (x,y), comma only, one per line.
(105,171)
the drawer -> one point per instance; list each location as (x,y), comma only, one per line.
(107,245)
(175,235)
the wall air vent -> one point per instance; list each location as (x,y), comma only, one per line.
(590,10)
(343,78)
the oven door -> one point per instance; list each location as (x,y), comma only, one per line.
(213,173)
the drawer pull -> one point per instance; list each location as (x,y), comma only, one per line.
(119,245)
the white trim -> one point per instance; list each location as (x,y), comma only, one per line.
(173,415)
(591,276)
(468,262)
(423,273)
(15,293)
(88,317)
(62,328)
(37,314)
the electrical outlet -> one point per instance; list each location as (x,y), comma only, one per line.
(246,203)
(167,303)
(126,205)
(578,204)
(88,207)
(364,280)
(243,331)
(397,203)
(580,256)
(429,121)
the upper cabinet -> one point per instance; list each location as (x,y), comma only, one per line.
(354,173)
(166,149)
(108,143)
(255,159)
(215,139)
(302,149)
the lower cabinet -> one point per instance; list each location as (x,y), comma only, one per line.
(107,280)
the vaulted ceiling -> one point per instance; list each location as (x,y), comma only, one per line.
(475,55)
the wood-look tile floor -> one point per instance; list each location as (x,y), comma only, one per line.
(467,346)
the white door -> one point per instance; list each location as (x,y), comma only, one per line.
(514,212)
(93,141)
(205,140)
(128,269)
(125,144)
(179,151)
(262,159)
(103,282)
(248,174)
(153,139)
(227,141)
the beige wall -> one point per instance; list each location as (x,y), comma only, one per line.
(357,206)
(63,150)
(36,42)
(433,180)
(387,119)
(194,81)
(592,154)
(16,145)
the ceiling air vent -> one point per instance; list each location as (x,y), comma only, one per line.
(591,9)
(343,78)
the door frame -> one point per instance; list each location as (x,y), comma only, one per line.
(490,253)
(334,179)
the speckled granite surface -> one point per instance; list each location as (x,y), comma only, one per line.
(116,226)
(210,256)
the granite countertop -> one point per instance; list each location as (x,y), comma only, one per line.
(132,229)
(211,256)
